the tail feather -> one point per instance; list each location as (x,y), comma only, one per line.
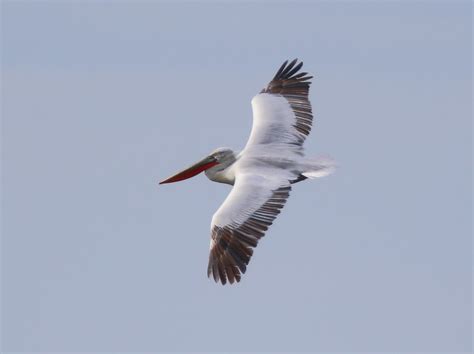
(319,167)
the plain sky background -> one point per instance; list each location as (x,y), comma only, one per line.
(101,100)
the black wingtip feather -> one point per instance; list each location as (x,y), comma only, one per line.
(294,70)
(288,71)
(284,73)
(282,67)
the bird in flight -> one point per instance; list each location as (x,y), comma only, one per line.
(262,173)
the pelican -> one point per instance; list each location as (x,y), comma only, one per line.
(262,173)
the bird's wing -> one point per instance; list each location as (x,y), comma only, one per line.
(239,223)
(281,111)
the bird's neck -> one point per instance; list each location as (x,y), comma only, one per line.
(223,172)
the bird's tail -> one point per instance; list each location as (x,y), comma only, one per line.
(319,167)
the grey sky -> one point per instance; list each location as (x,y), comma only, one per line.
(101,100)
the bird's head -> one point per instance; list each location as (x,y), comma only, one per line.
(217,160)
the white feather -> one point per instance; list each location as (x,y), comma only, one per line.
(249,193)
(319,167)
(273,121)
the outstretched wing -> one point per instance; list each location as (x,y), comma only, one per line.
(241,221)
(281,111)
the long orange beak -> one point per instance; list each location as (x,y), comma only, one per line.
(192,171)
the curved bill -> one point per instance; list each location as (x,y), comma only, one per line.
(192,171)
